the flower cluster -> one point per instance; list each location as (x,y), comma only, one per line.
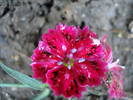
(69,59)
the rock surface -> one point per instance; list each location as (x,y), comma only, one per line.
(23,21)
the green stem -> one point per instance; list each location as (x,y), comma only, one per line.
(43,95)
(95,92)
(14,85)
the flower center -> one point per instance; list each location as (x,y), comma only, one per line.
(68,62)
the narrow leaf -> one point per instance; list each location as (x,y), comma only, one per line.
(43,95)
(33,83)
(14,85)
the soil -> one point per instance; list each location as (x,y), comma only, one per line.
(23,21)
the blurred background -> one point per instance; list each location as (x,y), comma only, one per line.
(23,21)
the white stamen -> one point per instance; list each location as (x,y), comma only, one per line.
(96,41)
(70,55)
(63,27)
(81,60)
(73,50)
(59,63)
(69,67)
(64,47)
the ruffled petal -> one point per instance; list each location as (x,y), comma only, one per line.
(116,89)
(107,50)
(90,72)
(56,42)
(40,69)
(62,81)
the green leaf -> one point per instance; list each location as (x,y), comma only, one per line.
(14,85)
(32,83)
(43,95)
(96,92)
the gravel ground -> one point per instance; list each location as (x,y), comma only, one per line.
(23,21)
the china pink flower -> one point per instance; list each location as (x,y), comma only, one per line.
(116,89)
(69,59)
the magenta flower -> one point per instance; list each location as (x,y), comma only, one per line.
(116,89)
(69,59)
(115,84)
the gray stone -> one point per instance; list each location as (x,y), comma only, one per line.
(23,22)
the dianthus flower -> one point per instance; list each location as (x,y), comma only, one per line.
(116,89)
(69,59)
(115,71)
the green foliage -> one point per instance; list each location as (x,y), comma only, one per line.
(14,85)
(43,95)
(22,78)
